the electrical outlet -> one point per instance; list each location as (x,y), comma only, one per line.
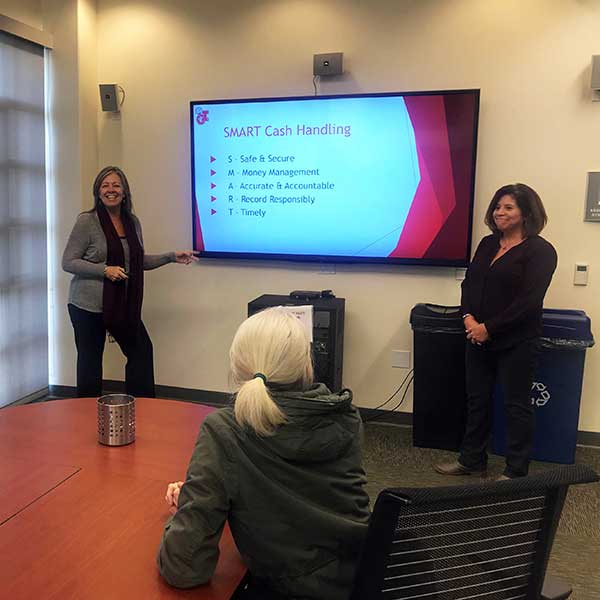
(401,359)
(459,274)
(327,269)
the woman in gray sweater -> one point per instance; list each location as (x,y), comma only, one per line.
(105,253)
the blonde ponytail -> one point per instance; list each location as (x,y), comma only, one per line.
(270,347)
(255,407)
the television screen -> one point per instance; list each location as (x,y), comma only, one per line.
(384,178)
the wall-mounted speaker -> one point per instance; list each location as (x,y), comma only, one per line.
(328,64)
(108,97)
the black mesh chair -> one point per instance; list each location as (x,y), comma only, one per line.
(489,541)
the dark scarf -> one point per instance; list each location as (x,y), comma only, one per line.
(122,299)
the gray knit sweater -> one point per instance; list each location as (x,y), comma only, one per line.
(85,257)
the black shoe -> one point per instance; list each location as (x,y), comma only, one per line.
(456,468)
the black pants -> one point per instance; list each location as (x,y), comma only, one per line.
(90,336)
(252,589)
(514,369)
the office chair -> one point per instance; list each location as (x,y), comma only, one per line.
(489,541)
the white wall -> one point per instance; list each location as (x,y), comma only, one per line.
(537,125)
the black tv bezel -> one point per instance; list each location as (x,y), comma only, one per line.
(329,258)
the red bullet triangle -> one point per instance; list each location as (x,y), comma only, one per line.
(212,198)
(213,172)
(212,159)
(212,211)
(213,186)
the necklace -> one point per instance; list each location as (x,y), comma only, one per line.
(507,246)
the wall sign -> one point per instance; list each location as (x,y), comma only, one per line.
(592,203)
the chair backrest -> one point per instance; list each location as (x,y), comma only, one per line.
(489,541)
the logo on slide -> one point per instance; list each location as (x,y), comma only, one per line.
(539,394)
(201,115)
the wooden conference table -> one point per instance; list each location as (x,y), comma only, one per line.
(82,520)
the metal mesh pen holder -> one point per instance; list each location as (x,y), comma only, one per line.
(116,419)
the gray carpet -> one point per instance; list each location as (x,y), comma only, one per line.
(392,461)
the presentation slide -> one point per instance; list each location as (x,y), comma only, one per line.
(345,177)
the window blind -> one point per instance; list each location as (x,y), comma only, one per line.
(23,250)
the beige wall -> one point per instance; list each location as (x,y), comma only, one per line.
(26,11)
(537,125)
(72,153)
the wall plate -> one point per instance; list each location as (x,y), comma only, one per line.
(401,359)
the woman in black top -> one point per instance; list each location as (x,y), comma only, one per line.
(502,298)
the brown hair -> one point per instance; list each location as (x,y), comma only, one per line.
(528,201)
(126,203)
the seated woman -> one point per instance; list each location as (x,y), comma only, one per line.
(283,466)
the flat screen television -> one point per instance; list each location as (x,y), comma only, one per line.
(378,178)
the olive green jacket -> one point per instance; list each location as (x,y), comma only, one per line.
(295,501)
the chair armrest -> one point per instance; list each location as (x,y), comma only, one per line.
(555,589)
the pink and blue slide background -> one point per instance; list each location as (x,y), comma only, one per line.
(402,178)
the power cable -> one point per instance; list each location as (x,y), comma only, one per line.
(409,374)
(315,79)
(395,407)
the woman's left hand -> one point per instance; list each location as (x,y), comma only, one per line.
(172,495)
(478,334)
(185,257)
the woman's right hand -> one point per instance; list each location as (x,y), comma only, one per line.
(476,332)
(115,273)
(469,322)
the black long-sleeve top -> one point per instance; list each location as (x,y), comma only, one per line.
(508,295)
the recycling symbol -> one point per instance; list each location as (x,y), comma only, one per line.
(539,394)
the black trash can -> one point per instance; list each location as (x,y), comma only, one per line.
(439,399)
(556,390)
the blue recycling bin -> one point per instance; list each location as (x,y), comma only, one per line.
(556,390)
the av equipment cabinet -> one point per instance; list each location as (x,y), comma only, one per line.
(328,333)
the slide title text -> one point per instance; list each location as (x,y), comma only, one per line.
(286,130)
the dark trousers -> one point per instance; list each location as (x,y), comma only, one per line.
(251,589)
(90,336)
(514,369)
